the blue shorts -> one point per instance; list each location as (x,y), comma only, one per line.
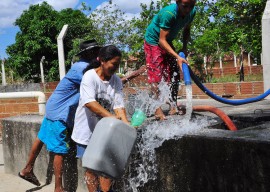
(54,134)
(80,150)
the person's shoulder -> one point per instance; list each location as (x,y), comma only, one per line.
(171,7)
(90,76)
(90,72)
(169,11)
(79,64)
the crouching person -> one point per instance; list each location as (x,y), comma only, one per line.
(100,95)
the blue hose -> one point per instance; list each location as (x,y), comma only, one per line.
(185,67)
(185,70)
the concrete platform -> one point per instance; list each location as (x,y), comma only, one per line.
(12,183)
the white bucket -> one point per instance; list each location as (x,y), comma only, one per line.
(109,148)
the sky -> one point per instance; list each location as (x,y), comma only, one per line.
(12,9)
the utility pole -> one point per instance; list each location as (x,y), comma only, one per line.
(241,72)
(41,69)
(4,83)
(61,54)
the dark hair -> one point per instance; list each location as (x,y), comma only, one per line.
(106,53)
(94,63)
(180,1)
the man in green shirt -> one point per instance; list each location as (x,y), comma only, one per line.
(161,59)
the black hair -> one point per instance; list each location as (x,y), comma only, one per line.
(94,63)
(106,53)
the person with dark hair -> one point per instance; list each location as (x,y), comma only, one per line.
(100,96)
(162,61)
(58,122)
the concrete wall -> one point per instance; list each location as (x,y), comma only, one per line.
(216,160)
(18,135)
(237,90)
(208,160)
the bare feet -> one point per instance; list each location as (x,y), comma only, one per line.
(181,109)
(173,111)
(159,115)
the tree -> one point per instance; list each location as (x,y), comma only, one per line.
(226,26)
(236,24)
(39,27)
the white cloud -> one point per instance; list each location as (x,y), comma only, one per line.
(12,9)
(131,7)
(59,5)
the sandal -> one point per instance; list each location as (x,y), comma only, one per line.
(32,179)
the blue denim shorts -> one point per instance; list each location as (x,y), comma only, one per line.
(54,134)
(80,150)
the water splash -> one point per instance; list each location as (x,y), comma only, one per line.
(143,164)
(147,102)
(189,102)
(152,136)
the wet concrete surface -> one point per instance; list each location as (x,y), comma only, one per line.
(12,183)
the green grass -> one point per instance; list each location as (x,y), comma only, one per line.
(235,78)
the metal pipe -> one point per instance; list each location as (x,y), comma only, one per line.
(41,98)
(249,62)
(41,69)
(61,54)
(4,83)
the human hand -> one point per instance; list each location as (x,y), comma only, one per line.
(180,61)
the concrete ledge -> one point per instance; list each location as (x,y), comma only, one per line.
(208,160)
(18,135)
(215,160)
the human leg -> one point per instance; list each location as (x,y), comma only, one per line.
(27,173)
(104,183)
(34,152)
(58,172)
(91,181)
(159,115)
(57,141)
(90,178)
(174,82)
(156,71)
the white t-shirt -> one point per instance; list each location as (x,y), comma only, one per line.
(107,93)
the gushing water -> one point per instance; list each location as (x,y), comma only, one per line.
(143,164)
(189,102)
(147,103)
(152,137)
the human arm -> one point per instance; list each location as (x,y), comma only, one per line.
(186,37)
(133,74)
(165,45)
(119,104)
(121,114)
(96,108)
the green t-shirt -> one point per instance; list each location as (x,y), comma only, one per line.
(167,18)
